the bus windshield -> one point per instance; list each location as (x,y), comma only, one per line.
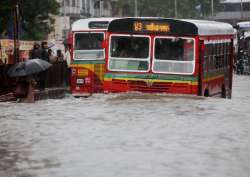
(88,46)
(129,53)
(174,55)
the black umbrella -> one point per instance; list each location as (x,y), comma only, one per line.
(28,67)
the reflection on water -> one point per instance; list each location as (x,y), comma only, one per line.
(128,135)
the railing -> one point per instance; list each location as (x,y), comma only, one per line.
(56,75)
(5,82)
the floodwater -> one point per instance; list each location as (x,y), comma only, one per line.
(128,135)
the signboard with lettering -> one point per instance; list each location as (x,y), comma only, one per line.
(157,27)
(98,25)
(152,25)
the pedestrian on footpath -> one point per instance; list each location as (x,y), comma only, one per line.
(52,57)
(67,59)
(43,74)
(24,90)
(36,51)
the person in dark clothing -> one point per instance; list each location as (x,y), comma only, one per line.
(240,66)
(44,53)
(24,90)
(43,75)
(36,51)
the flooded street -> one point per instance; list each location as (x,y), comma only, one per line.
(128,135)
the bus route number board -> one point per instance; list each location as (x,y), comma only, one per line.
(160,27)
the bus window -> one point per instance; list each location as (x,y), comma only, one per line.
(88,46)
(206,57)
(174,55)
(129,53)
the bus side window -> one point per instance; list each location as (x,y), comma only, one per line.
(217,56)
(209,56)
(206,58)
(220,55)
(227,53)
(213,53)
(224,55)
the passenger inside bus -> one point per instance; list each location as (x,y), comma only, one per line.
(88,41)
(124,49)
(134,52)
(170,50)
(89,46)
(129,47)
(174,49)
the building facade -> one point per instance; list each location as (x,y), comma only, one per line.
(72,10)
(233,11)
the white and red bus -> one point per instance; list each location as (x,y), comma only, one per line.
(88,55)
(169,56)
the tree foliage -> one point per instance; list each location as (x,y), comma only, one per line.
(185,8)
(35,16)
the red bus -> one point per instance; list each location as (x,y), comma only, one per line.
(159,55)
(88,55)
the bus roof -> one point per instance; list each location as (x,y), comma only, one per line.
(244,25)
(170,26)
(97,24)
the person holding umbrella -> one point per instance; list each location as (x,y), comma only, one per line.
(24,71)
(24,90)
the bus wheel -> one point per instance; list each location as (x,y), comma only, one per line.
(223,92)
(206,93)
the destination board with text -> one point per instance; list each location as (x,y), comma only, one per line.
(98,25)
(151,27)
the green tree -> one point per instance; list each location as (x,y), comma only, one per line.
(36,17)
(5,9)
(185,8)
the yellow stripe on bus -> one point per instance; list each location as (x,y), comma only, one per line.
(213,78)
(153,80)
(84,68)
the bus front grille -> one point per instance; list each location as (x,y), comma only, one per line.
(152,87)
(143,86)
(149,86)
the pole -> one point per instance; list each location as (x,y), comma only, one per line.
(1,55)
(101,8)
(212,9)
(85,7)
(175,9)
(16,32)
(241,9)
(136,10)
(64,18)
